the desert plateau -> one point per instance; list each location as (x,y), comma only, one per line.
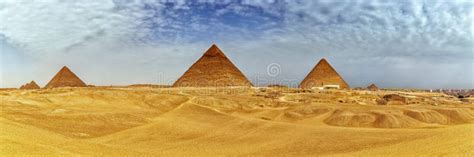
(144,121)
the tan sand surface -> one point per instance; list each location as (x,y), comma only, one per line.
(231,122)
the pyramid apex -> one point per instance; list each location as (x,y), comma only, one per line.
(65,69)
(214,46)
(323,60)
(372,85)
(214,51)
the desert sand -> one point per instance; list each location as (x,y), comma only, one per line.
(143,121)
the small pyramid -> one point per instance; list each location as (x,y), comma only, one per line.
(31,85)
(213,69)
(65,78)
(373,87)
(323,74)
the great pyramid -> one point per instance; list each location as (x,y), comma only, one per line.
(31,85)
(373,87)
(321,75)
(65,78)
(213,69)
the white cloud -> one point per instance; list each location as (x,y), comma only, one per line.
(408,24)
(134,40)
(55,26)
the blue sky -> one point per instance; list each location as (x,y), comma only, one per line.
(395,44)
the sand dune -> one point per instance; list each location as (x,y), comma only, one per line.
(224,122)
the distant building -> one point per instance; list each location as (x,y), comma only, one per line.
(31,85)
(372,87)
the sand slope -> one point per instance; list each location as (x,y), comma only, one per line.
(190,122)
(453,141)
(22,140)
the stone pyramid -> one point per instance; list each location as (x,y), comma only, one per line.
(213,69)
(373,87)
(323,74)
(65,78)
(31,85)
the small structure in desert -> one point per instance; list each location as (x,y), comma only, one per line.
(213,69)
(372,87)
(395,99)
(277,86)
(31,85)
(323,76)
(65,78)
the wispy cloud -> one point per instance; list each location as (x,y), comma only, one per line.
(386,42)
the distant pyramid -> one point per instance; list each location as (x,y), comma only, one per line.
(323,74)
(65,78)
(373,87)
(31,85)
(212,69)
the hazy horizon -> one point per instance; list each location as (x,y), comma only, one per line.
(402,44)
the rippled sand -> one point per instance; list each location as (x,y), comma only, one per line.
(230,122)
